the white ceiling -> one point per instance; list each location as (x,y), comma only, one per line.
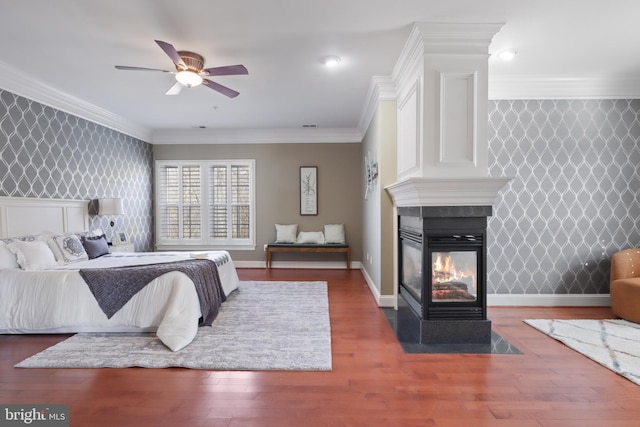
(63,53)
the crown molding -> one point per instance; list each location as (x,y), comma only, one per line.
(410,62)
(382,88)
(457,37)
(257,136)
(529,87)
(435,191)
(26,86)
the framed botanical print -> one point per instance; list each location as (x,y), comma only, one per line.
(308,190)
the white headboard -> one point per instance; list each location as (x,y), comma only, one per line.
(21,216)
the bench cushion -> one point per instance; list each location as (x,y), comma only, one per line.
(307,245)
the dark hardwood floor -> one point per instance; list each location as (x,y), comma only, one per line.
(373,383)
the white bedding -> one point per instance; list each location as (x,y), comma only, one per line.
(58,300)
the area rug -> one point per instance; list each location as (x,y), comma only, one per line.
(261,326)
(614,343)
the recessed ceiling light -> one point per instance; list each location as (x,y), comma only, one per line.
(330,61)
(506,55)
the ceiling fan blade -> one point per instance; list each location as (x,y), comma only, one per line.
(229,70)
(125,67)
(173,54)
(175,89)
(222,89)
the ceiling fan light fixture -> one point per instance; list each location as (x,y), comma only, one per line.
(189,78)
(189,71)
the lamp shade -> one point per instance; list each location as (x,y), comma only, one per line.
(110,206)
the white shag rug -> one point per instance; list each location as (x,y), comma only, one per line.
(261,326)
(613,343)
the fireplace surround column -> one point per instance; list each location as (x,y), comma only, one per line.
(441,82)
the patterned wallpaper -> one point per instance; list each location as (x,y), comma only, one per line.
(47,153)
(575,199)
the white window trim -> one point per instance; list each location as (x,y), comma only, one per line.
(205,242)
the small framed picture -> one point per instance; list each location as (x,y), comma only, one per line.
(120,238)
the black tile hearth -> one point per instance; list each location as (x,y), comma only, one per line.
(409,337)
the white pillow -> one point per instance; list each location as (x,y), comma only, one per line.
(7,258)
(286,233)
(334,233)
(314,237)
(34,255)
(96,232)
(68,248)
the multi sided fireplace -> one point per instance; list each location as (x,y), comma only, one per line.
(442,256)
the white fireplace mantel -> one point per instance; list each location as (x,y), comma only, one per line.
(428,191)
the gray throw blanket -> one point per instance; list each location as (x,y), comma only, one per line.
(114,287)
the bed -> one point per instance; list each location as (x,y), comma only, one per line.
(38,297)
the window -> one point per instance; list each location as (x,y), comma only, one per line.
(205,204)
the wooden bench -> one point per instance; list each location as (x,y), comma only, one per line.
(270,248)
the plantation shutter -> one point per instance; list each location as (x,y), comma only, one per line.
(218,222)
(205,204)
(169,195)
(240,202)
(179,208)
(191,205)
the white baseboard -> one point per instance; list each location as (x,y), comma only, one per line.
(372,286)
(382,300)
(550,300)
(248,264)
(387,301)
(319,265)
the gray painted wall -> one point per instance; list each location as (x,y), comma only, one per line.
(378,220)
(277,188)
(575,199)
(47,153)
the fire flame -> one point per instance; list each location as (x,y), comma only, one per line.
(444,270)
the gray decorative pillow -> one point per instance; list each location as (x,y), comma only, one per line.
(69,248)
(95,246)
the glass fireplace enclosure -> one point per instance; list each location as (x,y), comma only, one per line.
(442,267)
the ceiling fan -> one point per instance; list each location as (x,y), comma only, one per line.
(190,72)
